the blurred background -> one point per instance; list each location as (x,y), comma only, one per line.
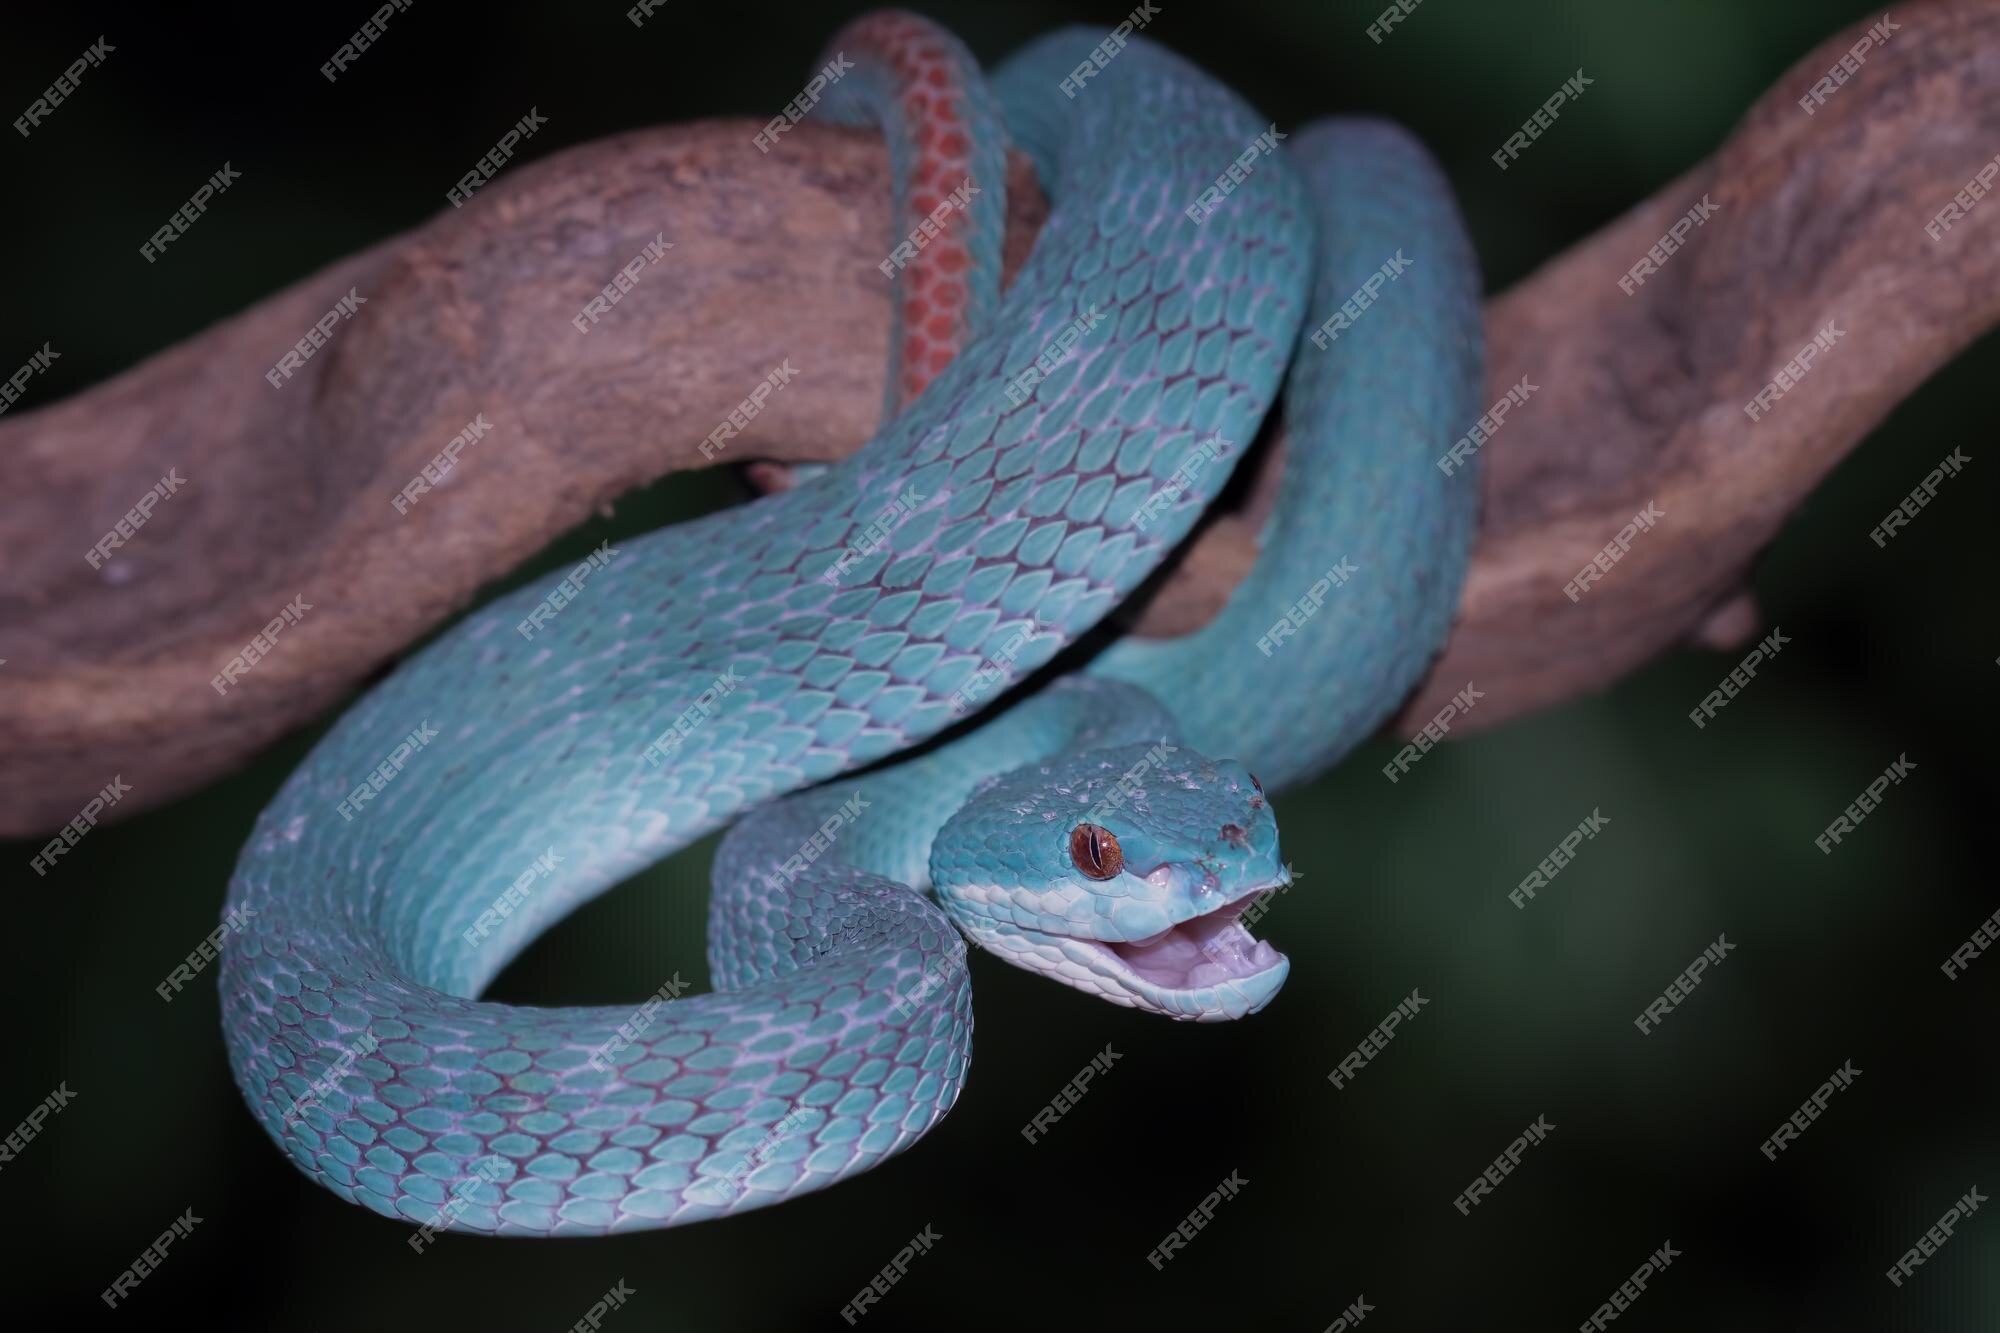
(1349,1192)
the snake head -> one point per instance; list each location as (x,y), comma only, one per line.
(1125,872)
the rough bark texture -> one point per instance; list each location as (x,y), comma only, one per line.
(1640,399)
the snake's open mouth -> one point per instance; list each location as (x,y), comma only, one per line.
(1205,950)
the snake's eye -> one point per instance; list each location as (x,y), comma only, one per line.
(1094,848)
(1258,785)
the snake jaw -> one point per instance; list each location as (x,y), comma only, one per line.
(1207,949)
(1204,968)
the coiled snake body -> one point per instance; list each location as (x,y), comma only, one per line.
(714,667)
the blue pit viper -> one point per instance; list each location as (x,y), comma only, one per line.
(741,668)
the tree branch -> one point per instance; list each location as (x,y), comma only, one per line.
(1819,219)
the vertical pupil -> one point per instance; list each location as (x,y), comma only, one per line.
(1095,851)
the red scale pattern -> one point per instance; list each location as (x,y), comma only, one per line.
(929,87)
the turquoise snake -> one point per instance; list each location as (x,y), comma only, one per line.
(1045,450)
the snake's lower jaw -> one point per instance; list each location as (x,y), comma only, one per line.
(1207,969)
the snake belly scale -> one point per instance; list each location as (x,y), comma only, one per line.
(716,667)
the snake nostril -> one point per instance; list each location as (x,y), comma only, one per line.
(1233,834)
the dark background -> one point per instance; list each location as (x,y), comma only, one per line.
(1349,1192)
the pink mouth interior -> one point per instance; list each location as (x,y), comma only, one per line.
(1205,950)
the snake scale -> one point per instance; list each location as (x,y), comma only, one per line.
(1045,450)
